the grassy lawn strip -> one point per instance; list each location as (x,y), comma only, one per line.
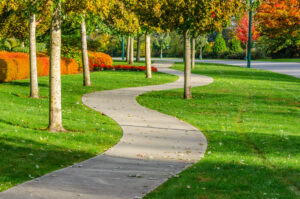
(252,121)
(27,150)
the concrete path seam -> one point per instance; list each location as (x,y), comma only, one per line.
(154,147)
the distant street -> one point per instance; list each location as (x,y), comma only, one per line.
(288,68)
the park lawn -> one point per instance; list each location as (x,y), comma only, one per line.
(251,119)
(28,150)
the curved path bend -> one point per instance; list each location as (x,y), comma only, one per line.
(154,147)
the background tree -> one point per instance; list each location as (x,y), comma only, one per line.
(148,13)
(219,45)
(15,15)
(161,41)
(201,41)
(279,24)
(242,30)
(235,45)
(198,17)
(125,22)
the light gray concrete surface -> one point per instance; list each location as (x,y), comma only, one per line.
(287,68)
(154,147)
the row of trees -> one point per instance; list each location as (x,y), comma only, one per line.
(190,18)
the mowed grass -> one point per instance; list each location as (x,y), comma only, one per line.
(28,150)
(251,119)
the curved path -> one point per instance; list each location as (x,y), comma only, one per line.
(154,147)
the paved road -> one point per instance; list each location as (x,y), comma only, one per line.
(154,147)
(288,68)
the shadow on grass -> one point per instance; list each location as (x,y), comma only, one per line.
(23,84)
(23,158)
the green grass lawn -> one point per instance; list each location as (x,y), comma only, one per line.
(28,150)
(251,119)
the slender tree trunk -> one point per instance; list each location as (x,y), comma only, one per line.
(148,56)
(246,51)
(193,52)
(34,88)
(187,66)
(138,50)
(201,53)
(128,49)
(55,112)
(85,58)
(161,52)
(131,56)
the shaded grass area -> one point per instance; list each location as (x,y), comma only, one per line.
(28,150)
(251,119)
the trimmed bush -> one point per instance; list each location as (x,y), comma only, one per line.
(220,45)
(15,66)
(102,67)
(235,45)
(99,59)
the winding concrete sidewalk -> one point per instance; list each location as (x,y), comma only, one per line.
(154,147)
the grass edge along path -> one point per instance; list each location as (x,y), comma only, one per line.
(251,120)
(28,151)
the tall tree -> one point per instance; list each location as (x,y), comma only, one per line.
(92,11)
(138,48)
(15,17)
(85,58)
(148,55)
(161,41)
(201,41)
(131,51)
(242,30)
(55,108)
(279,24)
(128,48)
(125,22)
(148,13)
(196,17)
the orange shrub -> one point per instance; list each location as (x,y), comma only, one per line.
(99,58)
(15,66)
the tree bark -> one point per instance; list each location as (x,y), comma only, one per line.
(34,88)
(193,52)
(246,51)
(187,66)
(55,110)
(128,49)
(148,56)
(138,50)
(85,58)
(201,53)
(131,56)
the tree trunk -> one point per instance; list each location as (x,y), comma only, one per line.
(148,56)
(246,51)
(34,88)
(85,58)
(187,66)
(193,52)
(201,53)
(161,52)
(131,56)
(55,112)
(138,50)
(128,49)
